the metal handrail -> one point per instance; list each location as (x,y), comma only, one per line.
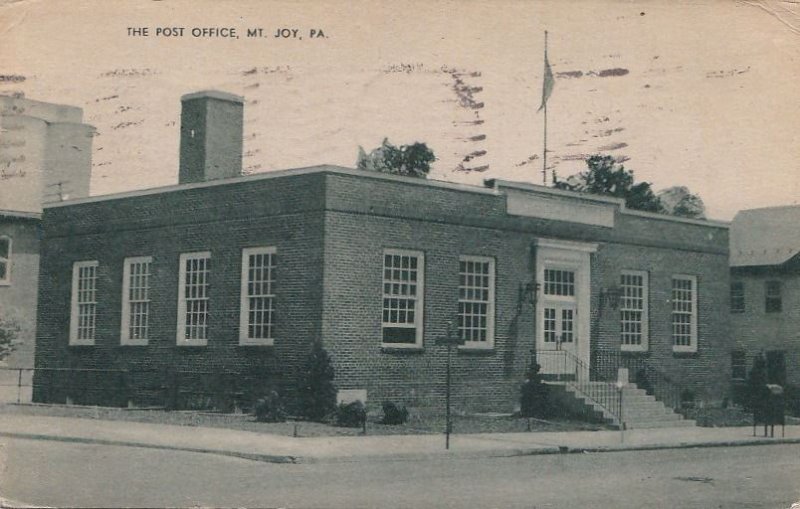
(585,380)
(641,372)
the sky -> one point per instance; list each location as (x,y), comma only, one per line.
(699,94)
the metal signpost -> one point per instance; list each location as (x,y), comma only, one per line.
(453,338)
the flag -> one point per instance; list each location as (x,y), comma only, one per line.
(547,83)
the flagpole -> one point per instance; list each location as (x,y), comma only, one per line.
(544,152)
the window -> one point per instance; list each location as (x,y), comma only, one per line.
(737,297)
(257,311)
(559,282)
(403,287)
(772,297)
(738,365)
(135,301)
(476,301)
(5,260)
(193,289)
(684,313)
(83,313)
(633,308)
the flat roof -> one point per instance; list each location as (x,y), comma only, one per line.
(490,187)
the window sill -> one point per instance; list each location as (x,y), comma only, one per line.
(81,343)
(184,344)
(634,349)
(256,342)
(684,352)
(134,343)
(389,348)
(468,349)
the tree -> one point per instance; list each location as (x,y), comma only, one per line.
(679,201)
(757,391)
(317,394)
(409,160)
(604,176)
(9,334)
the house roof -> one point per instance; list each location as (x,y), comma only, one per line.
(765,237)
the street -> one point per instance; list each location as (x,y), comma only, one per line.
(54,473)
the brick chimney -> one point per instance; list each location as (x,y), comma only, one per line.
(211,136)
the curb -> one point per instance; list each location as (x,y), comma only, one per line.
(451,454)
(266,458)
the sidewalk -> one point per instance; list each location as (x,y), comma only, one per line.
(278,449)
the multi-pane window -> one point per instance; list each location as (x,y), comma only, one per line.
(772,297)
(83,315)
(559,282)
(257,318)
(684,313)
(476,301)
(633,310)
(193,299)
(737,297)
(135,301)
(559,324)
(403,286)
(738,364)
(5,260)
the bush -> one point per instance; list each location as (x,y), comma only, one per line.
(317,394)
(351,415)
(534,394)
(687,398)
(269,409)
(393,414)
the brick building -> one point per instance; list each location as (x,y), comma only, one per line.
(765,292)
(225,281)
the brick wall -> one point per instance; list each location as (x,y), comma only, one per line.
(330,230)
(366,216)
(266,213)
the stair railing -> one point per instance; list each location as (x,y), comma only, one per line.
(566,367)
(641,372)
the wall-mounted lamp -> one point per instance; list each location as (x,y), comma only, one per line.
(527,293)
(609,297)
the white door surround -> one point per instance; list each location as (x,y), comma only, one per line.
(563,277)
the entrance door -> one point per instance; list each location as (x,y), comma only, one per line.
(562,305)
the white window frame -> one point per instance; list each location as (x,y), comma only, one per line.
(125,332)
(490,304)
(419,301)
(244,306)
(181,339)
(645,321)
(6,281)
(692,346)
(74,306)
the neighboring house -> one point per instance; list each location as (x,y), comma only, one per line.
(221,283)
(765,292)
(45,154)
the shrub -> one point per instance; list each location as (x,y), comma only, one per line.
(756,391)
(687,398)
(534,394)
(792,395)
(393,414)
(351,415)
(269,409)
(317,394)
